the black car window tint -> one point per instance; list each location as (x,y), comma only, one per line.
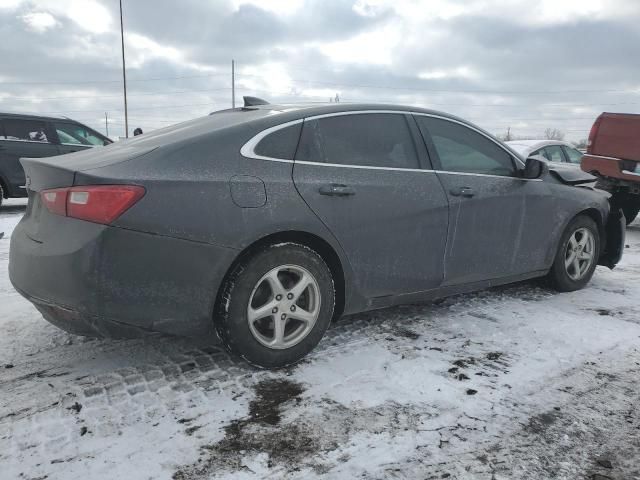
(280,144)
(461,149)
(25,130)
(368,139)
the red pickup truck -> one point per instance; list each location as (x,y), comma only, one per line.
(613,155)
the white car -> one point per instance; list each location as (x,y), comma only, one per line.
(554,151)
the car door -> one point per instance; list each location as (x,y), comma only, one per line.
(360,174)
(495,223)
(22,138)
(73,137)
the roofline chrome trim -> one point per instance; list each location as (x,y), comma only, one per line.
(247,150)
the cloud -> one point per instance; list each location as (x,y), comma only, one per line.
(39,21)
(500,63)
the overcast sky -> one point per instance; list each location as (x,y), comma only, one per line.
(524,64)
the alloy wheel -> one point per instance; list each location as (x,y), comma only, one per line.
(284,306)
(580,253)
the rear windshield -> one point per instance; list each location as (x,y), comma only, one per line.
(198,126)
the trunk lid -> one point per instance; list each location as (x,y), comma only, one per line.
(61,171)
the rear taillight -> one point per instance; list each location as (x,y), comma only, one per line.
(592,135)
(55,200)
(93,203)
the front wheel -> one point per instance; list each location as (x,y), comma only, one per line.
(577,255)
(276,305)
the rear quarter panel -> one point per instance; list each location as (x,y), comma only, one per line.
(189,194)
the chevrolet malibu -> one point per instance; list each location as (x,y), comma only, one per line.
(268,221)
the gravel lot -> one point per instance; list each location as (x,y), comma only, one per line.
(516,382)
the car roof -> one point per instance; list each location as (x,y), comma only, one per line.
(303,110)
(531,145)
(320,108)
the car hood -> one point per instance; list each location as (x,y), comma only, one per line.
(570,175)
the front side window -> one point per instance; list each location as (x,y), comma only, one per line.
(554,153)
(461,149)
(77,135)
(367,139)
(25,130)
(575,156)
(542,152)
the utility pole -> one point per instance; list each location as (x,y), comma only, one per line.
(233,84)
(106,123)
(124,77)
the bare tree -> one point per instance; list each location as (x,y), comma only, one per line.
(553,134)
(505,137)
(582,144)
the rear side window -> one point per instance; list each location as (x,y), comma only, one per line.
(461,149)
(25,130)
(74,134)
(368,139)
(280,144)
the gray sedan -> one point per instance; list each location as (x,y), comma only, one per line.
(555,151)
(268,221)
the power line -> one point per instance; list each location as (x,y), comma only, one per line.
(73,97)
(83,82)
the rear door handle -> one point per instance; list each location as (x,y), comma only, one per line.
(462,192)
(336,190)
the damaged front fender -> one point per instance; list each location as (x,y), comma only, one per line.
(615,230)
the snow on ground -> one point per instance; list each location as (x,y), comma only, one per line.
(516,382)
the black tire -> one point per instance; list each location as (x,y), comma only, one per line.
(558,276)
(1,195)
(232,320)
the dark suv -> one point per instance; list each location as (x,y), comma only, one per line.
(34,136)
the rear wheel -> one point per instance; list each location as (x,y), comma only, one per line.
(577,255)
(276,305)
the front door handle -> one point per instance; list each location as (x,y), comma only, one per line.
(462,192)
(336,190)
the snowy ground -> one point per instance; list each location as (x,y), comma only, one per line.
(517,382)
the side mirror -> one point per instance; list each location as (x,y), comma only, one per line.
(535,167)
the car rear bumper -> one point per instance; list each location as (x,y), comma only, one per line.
(105,281)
